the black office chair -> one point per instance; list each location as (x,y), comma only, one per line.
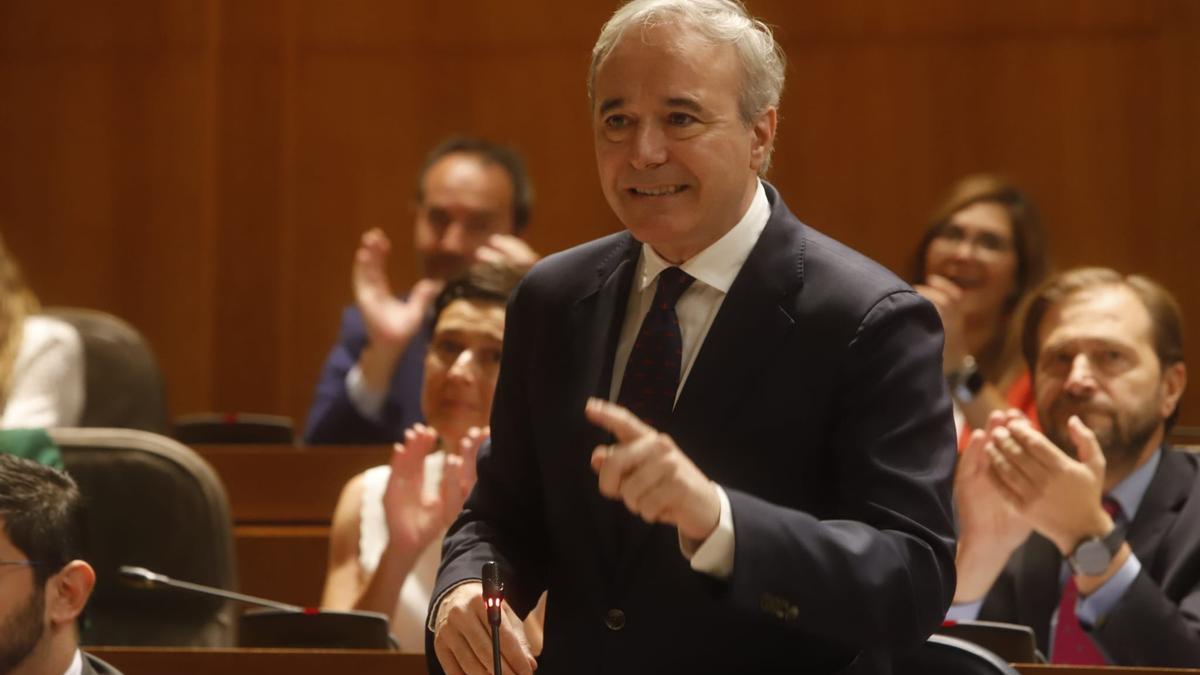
(231,428)
(151,502)
(1012,642)
(941,655)
(123,386)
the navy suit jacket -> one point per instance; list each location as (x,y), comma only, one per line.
(816,401)
(333,419)
(1157,621)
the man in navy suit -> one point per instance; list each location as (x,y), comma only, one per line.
(780,501)
(473,199)
(1089,532)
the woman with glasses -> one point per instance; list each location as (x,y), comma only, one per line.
(984,248)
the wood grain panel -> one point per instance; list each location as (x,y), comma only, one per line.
(204,167)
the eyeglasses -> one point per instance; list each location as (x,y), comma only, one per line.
(987,243)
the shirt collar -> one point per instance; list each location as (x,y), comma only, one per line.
(1130,492)
(76,667)
(718,264)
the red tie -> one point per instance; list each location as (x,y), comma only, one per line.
(652,373)
(1071,644)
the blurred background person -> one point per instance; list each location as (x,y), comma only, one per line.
(386,539)
(473,199)
(985,247)
(41,358)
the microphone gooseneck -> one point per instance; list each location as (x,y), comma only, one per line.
(144,578)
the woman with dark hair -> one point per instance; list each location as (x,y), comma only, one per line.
(984,248)
(386,539)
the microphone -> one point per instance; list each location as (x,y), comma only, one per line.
(281,624)
(144,578)
(493,597)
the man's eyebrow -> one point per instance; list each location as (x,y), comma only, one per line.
(685,103)
(611,103)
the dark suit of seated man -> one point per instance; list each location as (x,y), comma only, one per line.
(473,198)
(1111,571)
(43,588)
(720,439)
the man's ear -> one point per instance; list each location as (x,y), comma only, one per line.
(764,137)
(1174,381)
(67,592)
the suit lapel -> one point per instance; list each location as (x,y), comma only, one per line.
(594,326)
(746,334)
(1164,498)
(1036,586)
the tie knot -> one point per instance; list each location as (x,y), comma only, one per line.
(1111,506)
(672,282)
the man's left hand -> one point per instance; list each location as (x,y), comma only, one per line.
(647,470)
(1059,495)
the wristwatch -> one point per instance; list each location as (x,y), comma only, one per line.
(1093,555)
(965,381)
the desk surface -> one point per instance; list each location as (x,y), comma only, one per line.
(156,660)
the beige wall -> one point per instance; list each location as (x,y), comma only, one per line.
(203,167)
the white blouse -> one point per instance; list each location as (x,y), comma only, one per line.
(46,387)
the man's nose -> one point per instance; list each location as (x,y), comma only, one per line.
(454,239)
(1080,379)
(649,147)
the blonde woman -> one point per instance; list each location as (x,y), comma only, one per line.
(41,359)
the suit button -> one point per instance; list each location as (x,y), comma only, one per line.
(615,619)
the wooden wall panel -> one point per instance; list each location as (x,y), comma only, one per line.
(204,167)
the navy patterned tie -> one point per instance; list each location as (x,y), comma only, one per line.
(652,373)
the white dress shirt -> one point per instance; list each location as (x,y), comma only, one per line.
(714,269)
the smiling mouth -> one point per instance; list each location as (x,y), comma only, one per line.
(663,191)
(965,283)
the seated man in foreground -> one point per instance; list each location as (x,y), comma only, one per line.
(43,589)
(1112,571)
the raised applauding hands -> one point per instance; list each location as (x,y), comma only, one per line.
(946,296)
(390,321)
(414,516)
(1012,480)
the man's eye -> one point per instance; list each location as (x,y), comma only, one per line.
(616,121)
(678,119)
(448,348)
(491,356)
(438,217)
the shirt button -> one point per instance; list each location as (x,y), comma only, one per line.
(615,619)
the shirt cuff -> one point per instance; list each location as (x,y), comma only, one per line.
(368,403)
(964,611)
(1096,607)
(714,556)
(437,604)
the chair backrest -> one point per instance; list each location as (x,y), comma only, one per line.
(151,502)
(1012,642)
(123,384)
(228,428)
(942,655)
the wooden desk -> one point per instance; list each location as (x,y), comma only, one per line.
(281,499)
(174,661)
(159,660)
(278,484)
